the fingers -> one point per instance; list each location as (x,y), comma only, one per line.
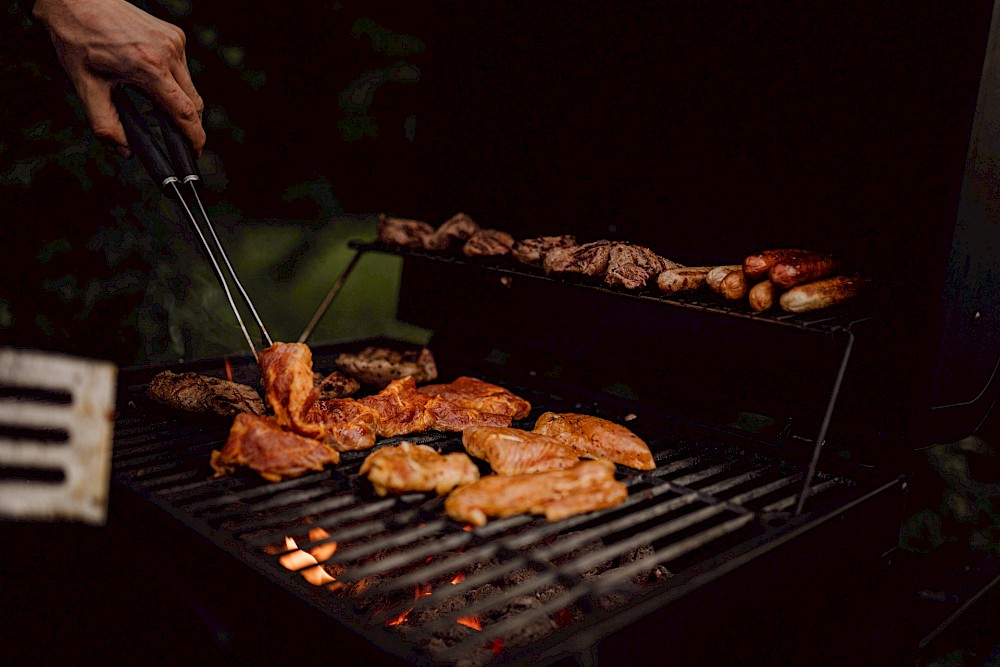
(95,93)
(178,105)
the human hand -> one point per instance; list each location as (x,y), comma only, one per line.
(102,43)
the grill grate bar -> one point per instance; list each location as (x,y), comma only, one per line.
(787,502)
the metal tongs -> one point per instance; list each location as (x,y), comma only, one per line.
(173,173)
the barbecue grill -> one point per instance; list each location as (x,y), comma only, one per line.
(767,529)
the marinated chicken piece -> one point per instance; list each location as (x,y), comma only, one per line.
(511,451)
(409,467)
(558,494)
(596,438)
(289,387)
(378,366)
(590,259)
(632,266)
(335,385)
(261,444)
(457,228)
(402,409)
(533,251)
(347,424)
(470,392)
(200,393)
(488,243)
(403,232)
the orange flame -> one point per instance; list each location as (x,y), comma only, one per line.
(458,578)
(301,561)
(494,645)
(229,369)
(470,622)
(396,620)
(421,590)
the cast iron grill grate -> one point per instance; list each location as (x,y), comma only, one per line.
(431,590)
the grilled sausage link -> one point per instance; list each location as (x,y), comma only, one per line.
(802,269)
(756,266)
(716,275)
(762,296)
(682,278)
(734,285)
(821,293)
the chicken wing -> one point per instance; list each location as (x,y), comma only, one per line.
(558,494)
(596,438)
(511,451)
(409,467)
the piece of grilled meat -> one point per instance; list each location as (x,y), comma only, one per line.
(409,467)
(378,366)
(335,385)
(593,437)
(261,444)
(589,259)
(558,494)
(347,424)
(289,386)
(533,251)
(511,451)
(401,410)
(193,392)
(458,228)
(631,266)
(403,232)
(470,392)
(488,243)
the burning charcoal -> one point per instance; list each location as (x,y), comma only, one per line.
(479,656)
(550,592)
(519,576)
(433,612)
(635,555)
(483,592)
(611,601)
(531,630)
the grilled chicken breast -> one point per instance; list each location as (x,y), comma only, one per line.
(409,467)
(404,232)
(378,366)
(289,386)
(593,437)
(457,228)
(470,392)
(261,444)
(558,494)
(511,451)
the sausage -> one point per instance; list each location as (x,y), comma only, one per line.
(756,266)
(715,276)
(762,296)
(734,285)
(821,293)
(682,278)
(802,269)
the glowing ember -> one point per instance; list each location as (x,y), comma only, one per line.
(470,622)
(495,645)
(229,369)
(421,590)
(562,618)
(458,578)
(428,559)
(396,620)
(467,527)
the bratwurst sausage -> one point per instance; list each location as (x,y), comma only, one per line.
(762,296)
(756,266)
(801,269)
(822,293)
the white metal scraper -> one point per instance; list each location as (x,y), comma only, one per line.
(56,423)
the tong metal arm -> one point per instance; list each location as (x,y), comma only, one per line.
(172,174)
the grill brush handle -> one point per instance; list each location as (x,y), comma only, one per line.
(141,139)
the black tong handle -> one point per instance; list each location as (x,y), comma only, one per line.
(180,166)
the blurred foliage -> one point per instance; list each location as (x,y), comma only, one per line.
(968,499)
(120,275)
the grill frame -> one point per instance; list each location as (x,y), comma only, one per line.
(139,467)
